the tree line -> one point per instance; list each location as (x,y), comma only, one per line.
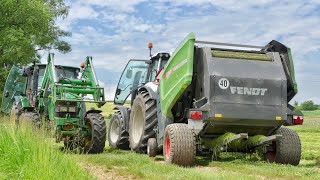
(306,106)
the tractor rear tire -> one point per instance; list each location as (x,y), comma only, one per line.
(179,146)
(95,143)
(287,150)
(31,118)
(143,120)
(118,137)
(152,147)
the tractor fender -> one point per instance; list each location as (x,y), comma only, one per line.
(152,89)
(125,113)
(92,111)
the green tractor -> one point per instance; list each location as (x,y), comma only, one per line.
(210,97)
(56,95)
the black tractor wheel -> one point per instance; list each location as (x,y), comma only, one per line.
(287,150)
(95,142)
(152,147)
(30,118)
(118,137)
(143,119)
(179,146)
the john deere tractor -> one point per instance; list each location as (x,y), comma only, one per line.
(211,97)
(54,95)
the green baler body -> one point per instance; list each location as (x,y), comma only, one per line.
(177,75)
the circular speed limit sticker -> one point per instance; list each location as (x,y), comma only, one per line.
(223,83)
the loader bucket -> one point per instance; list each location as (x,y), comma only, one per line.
(177,75)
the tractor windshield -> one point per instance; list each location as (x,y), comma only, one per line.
(133,76)
(67,72)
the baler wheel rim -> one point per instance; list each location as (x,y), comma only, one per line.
(271,155)
(168,148)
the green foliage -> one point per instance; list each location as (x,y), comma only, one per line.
(27,26)
(26,153)
(308,106)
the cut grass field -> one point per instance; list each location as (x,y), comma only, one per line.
(25,156)
(128,164)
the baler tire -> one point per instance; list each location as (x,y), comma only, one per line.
(122,141)
(179,146)
(95,143)
(144,104)
(152,147)
(287,150)
(31,118)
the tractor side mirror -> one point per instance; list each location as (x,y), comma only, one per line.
(6,94)
(129,74)
(118,91)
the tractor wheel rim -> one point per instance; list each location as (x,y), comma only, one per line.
(114,131)
(138,123)
(168,150)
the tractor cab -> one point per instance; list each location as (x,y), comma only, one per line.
(26,82)
(137,73)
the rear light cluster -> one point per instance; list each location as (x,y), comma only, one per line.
(298,119)
(195,115)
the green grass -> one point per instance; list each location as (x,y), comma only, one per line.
(29,154)
(24,155)
(230,166)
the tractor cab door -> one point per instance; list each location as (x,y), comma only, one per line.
(132,77)
(15,86)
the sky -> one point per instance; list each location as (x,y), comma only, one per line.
(114,31)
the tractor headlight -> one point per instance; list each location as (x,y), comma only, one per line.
(72,109)
(63,109)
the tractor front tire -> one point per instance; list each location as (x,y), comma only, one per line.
(179,146)
(118,137)
(143,120)
(95,142)
(287,150)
